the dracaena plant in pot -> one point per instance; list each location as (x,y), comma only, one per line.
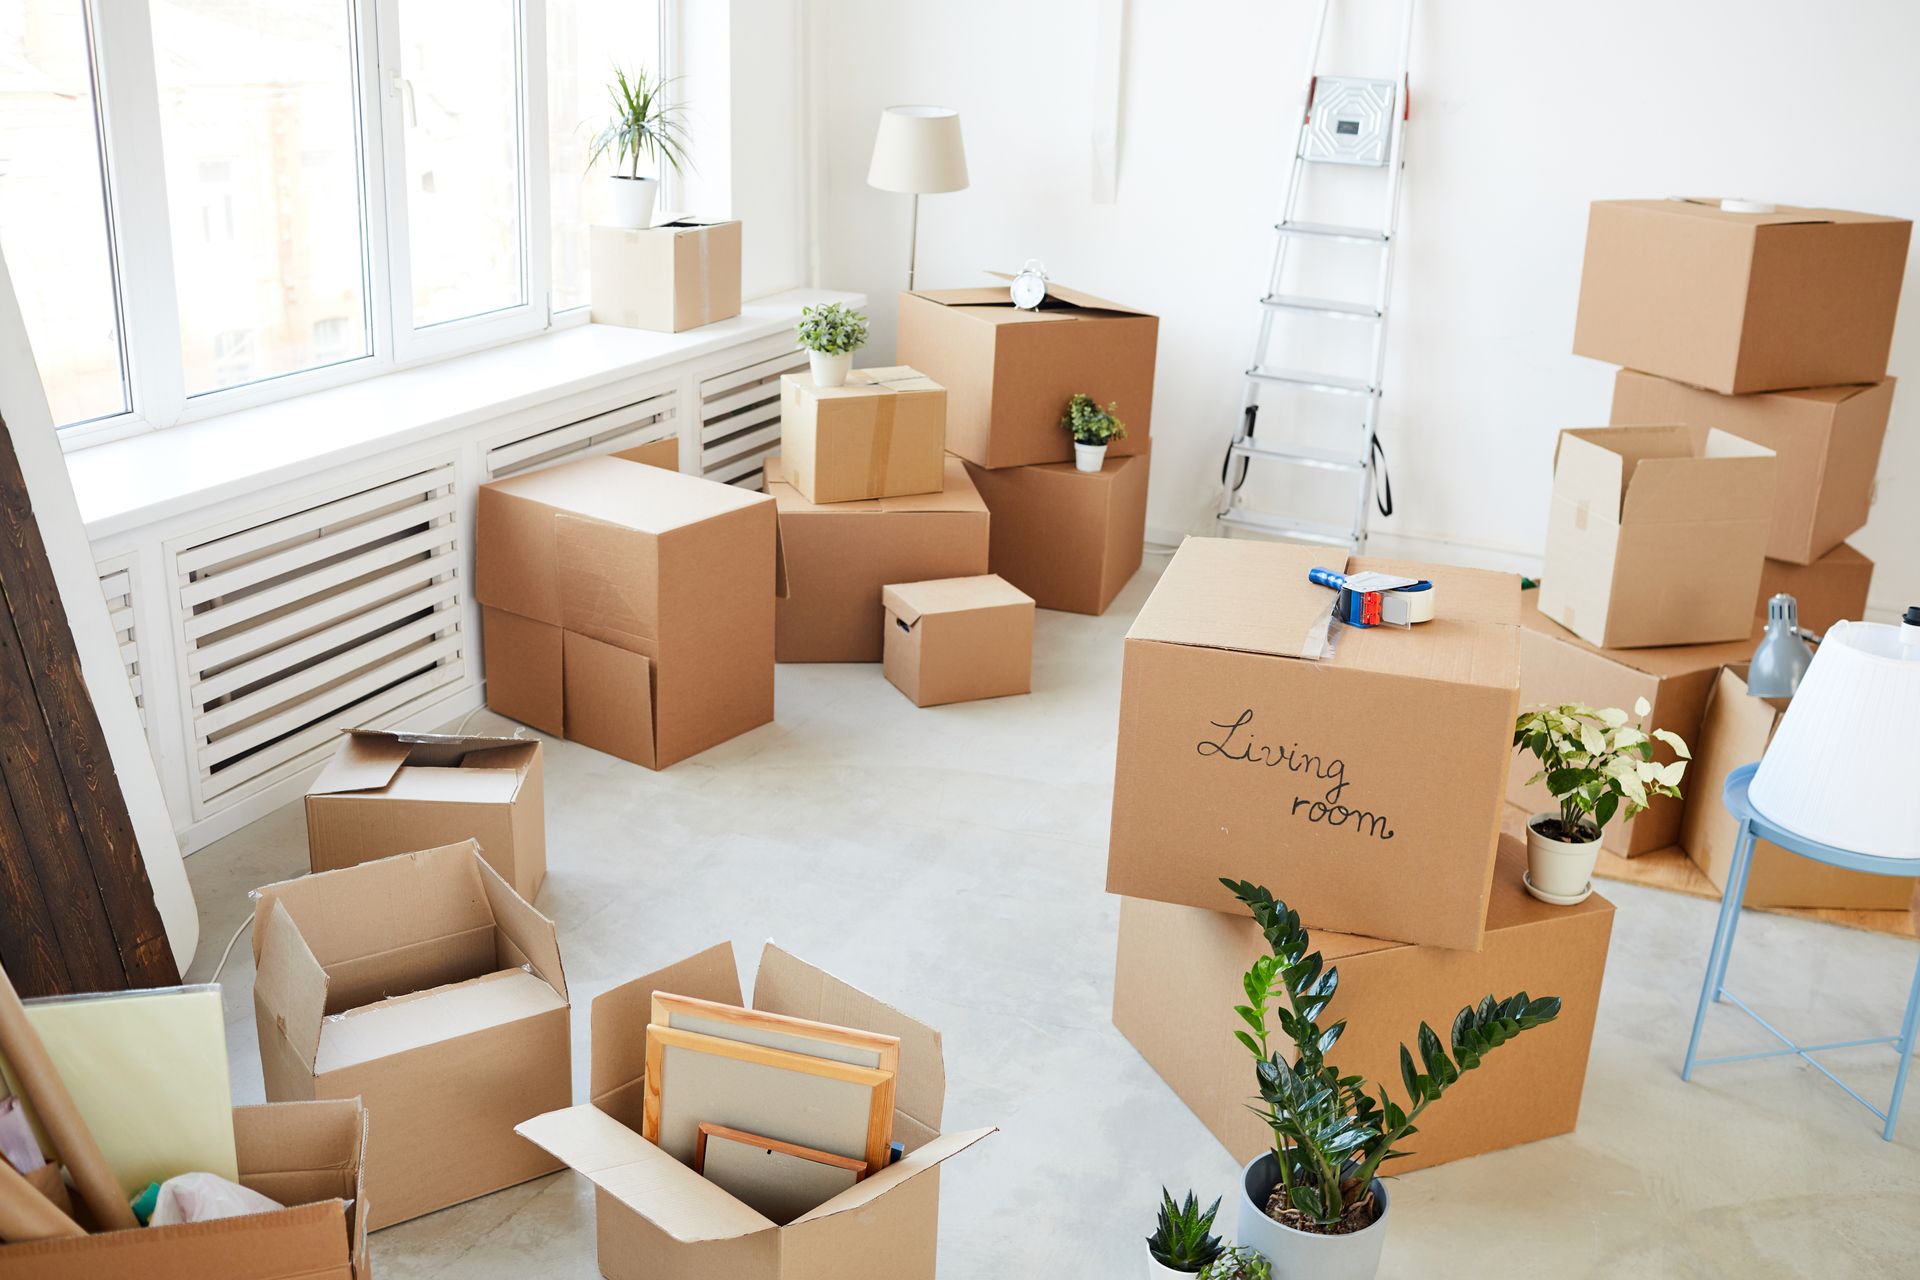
(1599,768)
(1092,428)
(831,334)
(1182,1241)
(643,125)
(1314,1204)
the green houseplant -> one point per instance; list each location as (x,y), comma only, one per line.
(1092,428)
(1314,1203)
(643,123)
(1238,1263)
(1182,1241)
(1598,767)
(831,334)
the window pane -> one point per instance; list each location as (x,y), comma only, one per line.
(53,212)
(460,108)
(258,120)
(586,39)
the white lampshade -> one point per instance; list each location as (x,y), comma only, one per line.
(1842,766)
(918,151)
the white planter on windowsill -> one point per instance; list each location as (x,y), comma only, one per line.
(630,201)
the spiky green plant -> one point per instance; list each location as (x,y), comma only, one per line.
(644,123)
(1183,1238)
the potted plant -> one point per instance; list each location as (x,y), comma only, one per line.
(1182,1241)
(831,334)
(1238,1263)
(644,123)
(1314,1205)
(1092,428)
(1597,767)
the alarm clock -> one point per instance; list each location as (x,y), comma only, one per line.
(1029,288)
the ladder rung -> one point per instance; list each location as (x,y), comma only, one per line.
(1331,535)
(1331,382)
(1328,458)
(1328,231)
(1321,306)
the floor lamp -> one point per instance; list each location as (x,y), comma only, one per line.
(918,152)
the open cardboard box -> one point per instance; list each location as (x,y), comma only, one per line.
(657,1217)
(1070,539)
(880,435)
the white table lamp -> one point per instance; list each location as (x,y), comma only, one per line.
(918,152)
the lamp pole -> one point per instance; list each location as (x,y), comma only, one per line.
(913,242)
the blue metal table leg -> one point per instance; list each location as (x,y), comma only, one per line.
(1904,1047)
(1736,892)
(1722,937)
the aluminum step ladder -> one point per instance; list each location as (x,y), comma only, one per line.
(1346,121)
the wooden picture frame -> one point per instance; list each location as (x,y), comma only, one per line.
(778,1031)
(780,1180)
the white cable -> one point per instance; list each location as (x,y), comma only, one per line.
(228,953)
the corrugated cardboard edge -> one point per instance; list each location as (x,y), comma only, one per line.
(288,982)
(364,761)
(536,936)
(867,1190)
(620,1014)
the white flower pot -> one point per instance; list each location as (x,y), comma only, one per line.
(829,371)
(630,201)
(1088,457)
(1158,1270)
(1307,1255)
(1559,871)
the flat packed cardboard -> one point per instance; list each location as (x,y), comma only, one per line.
(1558,667)
(1740,302)
(385,793)
(881,435)
(958,639)
(1178,977)
(1827,440)
(1831,588)
(1656,535)
(1736,731)
(1368,782)
(839,555)
(656,1217)
(307,1156)
(627,607)
(425,986)
(673,276)
(1071,539)
(1010,373)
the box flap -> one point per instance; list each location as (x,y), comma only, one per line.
(289,985)
(364,761)
(909,601)
(957,494)
(1222,593)
(417,1019)
(1593,466)
(1060,296)
(620,1016)
(533,936)
(867,1190)
(1725,478)
(1059,299)
(898,379)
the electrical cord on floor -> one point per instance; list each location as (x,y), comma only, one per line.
(227,955)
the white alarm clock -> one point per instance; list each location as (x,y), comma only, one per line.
(1029,288)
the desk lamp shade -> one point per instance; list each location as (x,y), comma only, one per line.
(1842,767)
(918,151)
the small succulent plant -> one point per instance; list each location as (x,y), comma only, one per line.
(1183,1238)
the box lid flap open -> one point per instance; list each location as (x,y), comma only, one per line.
(1220,593)
(909,601)
(620,1015)
(997,301)
(369,759)
(289,984)
(867,1190)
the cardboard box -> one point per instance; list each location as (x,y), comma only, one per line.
(1240,755)
(1656,537)
(425,986)
(839,555)
(1827,440)
(627,607)
(1558,667)
(673,276)
(1070,539)
(656,1217)
(1010,373)
(882,435)
(958,639)
(1831,588)
(1736,731)
(1178,977)
(385,793)
(305,1155)
(1740,302)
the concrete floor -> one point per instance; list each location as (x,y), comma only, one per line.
(950,861)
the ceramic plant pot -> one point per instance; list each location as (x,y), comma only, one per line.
(1088,457)
(630,201)
(1158,1270)
(1305,1255)
(1559,871)
(829,371)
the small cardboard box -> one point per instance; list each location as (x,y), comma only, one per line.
(1009,373)
(1178,977)
(1827,440)
(1831,588)
(673,276)
(882,435)
(424,985)
(1558,667)
(958,639)
(1241,755)
(627,607)
(656,1217)
(385,793)
(1071,539)
(1655,536)
(1740,302)
(839,555)
(304,1155)
(1736,731)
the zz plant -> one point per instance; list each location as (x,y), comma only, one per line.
(831,329)
(1183,1238)
(1330,1134)
(1596,765)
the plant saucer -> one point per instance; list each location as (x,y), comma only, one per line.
(1557,899)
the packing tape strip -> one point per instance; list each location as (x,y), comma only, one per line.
(884,408)
(706,277)
(1580,515)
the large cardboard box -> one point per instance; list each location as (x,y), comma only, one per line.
(1827,440)
(385,793)
(958,639)
(1740,302)
(839,555)
(1009,373)
(1831,588)
(1070,539)
(306,1156)
(881,435)
(1558,667)
(627,607)
(656,1217)
(1736,731)
(1656,536)
(673,276)
(425,986)
(1367,782)
(1178,977)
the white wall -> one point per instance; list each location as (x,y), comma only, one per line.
(1522,113)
